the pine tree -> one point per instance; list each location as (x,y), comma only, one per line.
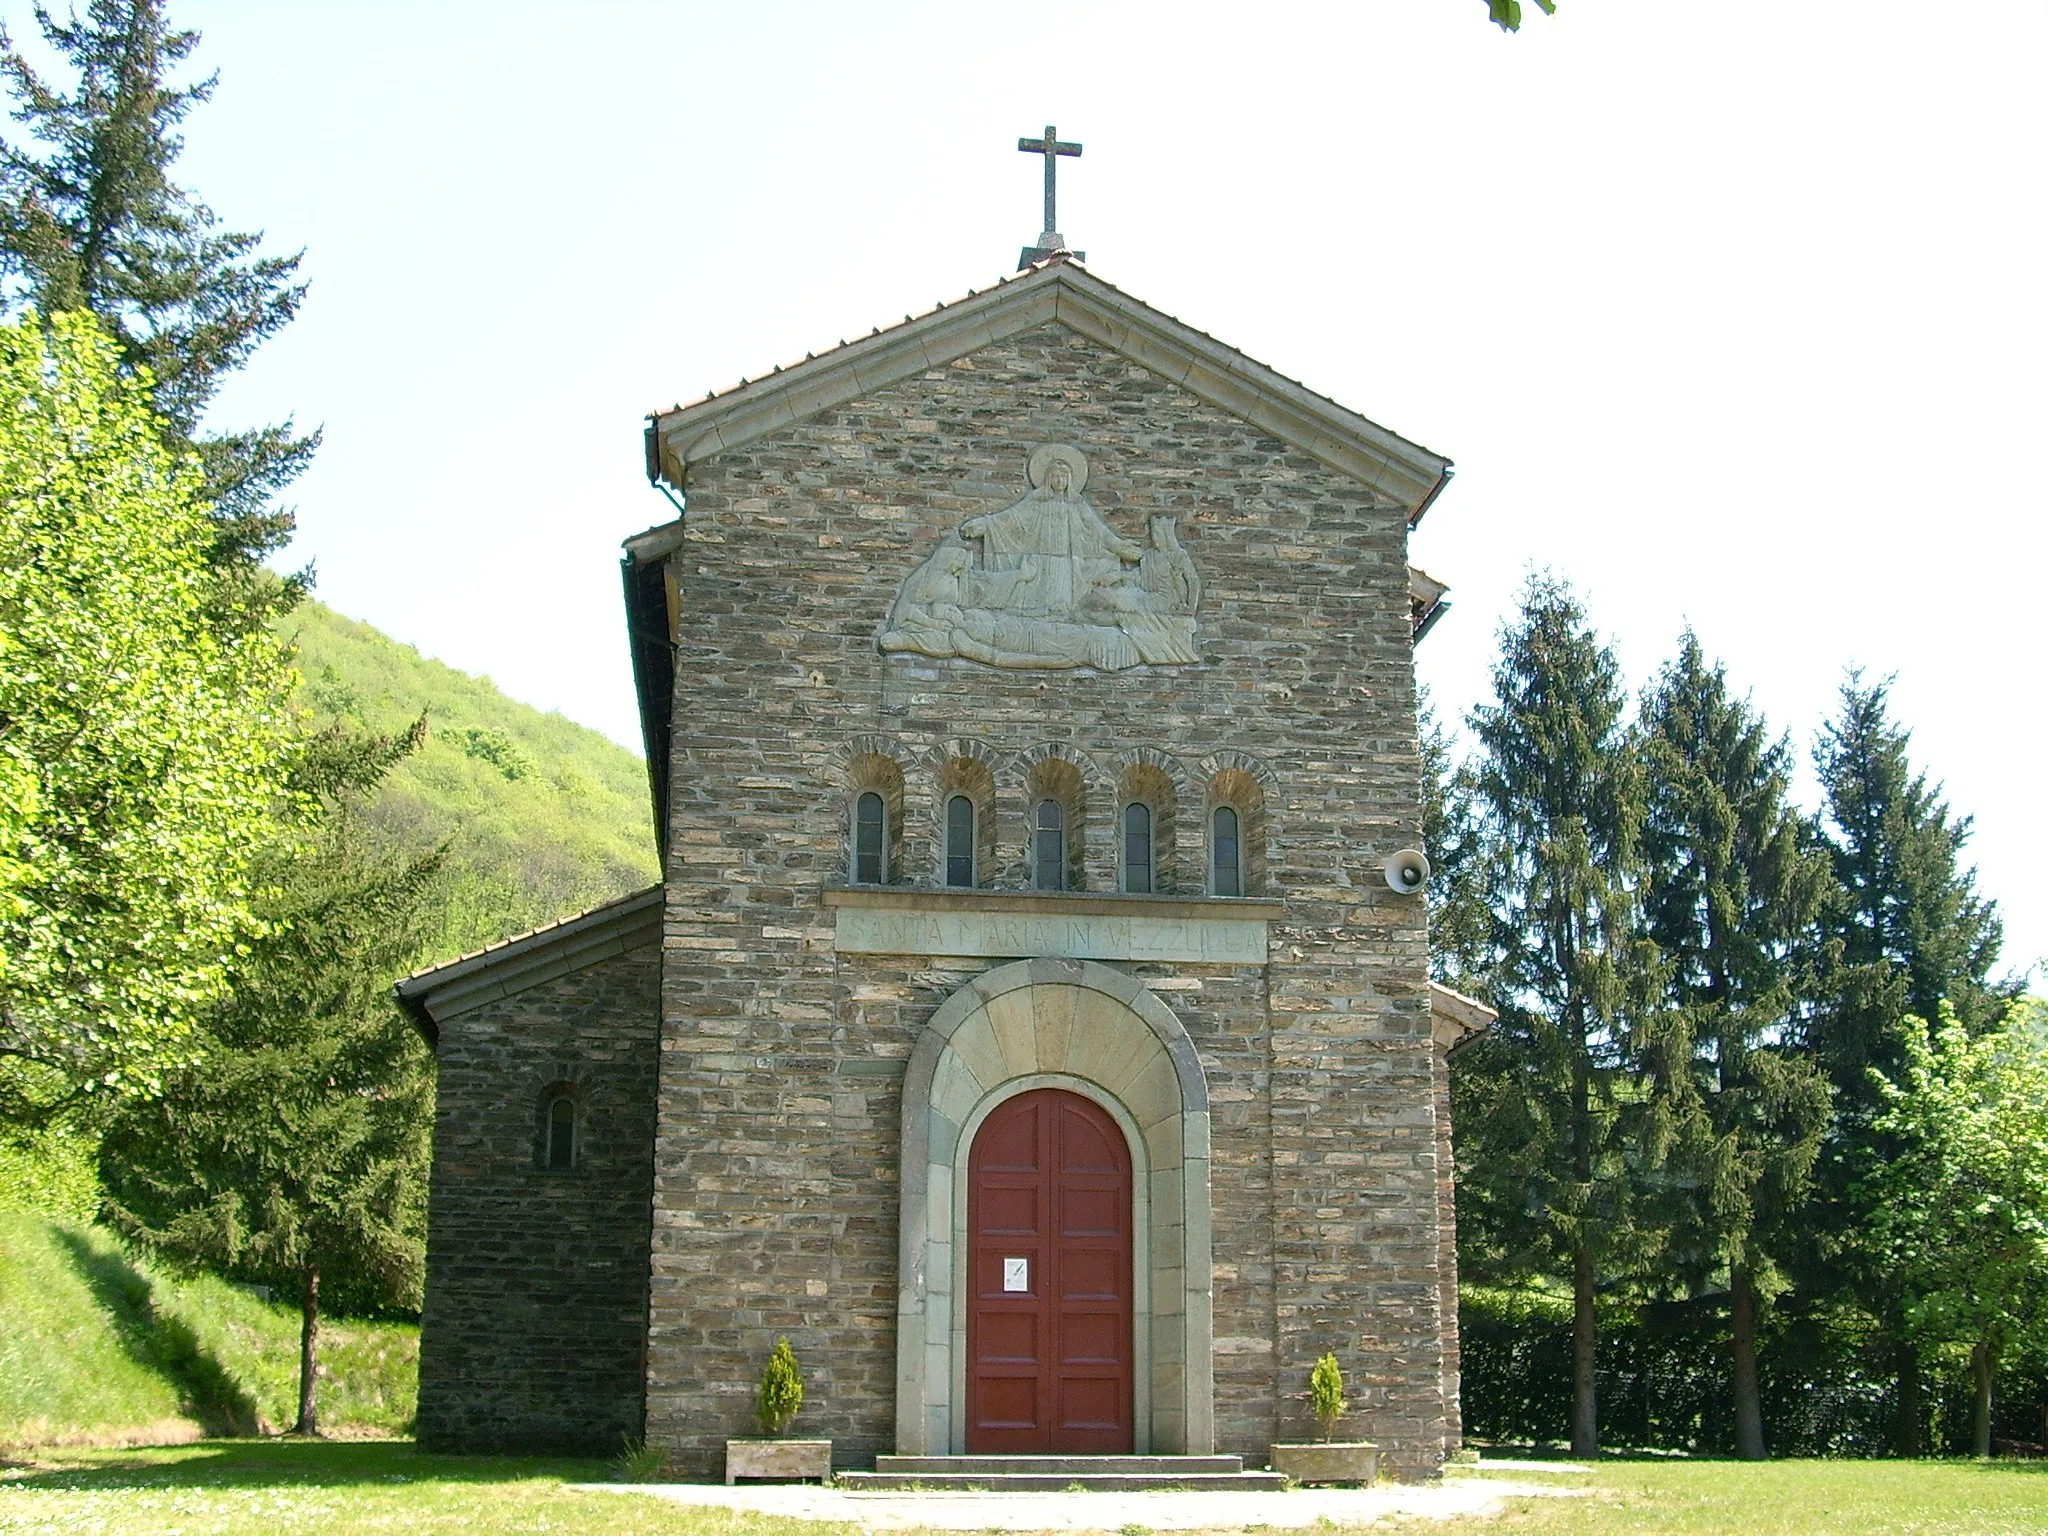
(91,219)
(1556,1117)
(1732,893)
(1909,935)
(294,1152)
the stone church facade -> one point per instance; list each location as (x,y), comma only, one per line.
(1025,1026)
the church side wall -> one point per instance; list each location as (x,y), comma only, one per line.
(1447,1258)
(533,1332)
(777,1187)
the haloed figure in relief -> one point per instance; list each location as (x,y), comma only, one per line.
(1054,585)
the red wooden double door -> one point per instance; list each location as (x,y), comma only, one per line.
(1049,1291)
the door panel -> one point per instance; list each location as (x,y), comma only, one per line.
(1049,1256)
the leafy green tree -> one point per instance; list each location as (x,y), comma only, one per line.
(1732,892)
(1555,1108)
(144,751)
(1910,935)
(294,1152)
(1507,14)
(90,218)
(1961,1206)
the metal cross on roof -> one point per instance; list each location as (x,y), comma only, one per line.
(1051,240)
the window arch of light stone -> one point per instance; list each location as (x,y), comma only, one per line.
(971,777)
(875,773)
(1146,783)
(1064,784)
(1096,1031)
(1242,792)
(562,1090)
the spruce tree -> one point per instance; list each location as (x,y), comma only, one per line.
(1458,926)
(1732,893)
(293,1152)
(1909,934)
(90,218)
(1555,1113)
(1910,904)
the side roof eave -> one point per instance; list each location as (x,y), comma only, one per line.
(1065,291)
(512,965)
(1456,1019)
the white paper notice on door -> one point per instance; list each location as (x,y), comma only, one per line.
(1016,1274)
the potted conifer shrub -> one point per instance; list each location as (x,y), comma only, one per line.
(781,1395)
(1328,1460)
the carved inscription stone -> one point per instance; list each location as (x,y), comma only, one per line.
(1047,583)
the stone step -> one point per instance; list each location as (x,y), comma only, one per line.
(1085,1482)
(1128,1466)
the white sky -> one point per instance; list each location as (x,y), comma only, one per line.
(1732,313)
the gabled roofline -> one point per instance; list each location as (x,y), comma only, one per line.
(1061,289)
(440,992)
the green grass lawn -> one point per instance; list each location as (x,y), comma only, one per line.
(98,1347)
(267,1488)
(245,1487)
(1781,1498)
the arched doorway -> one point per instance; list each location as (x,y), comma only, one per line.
(1049,1317)
(1101,1035)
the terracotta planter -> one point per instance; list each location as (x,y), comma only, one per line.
(778,1458)
(1328,1461)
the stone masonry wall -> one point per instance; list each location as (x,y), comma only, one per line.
(776,1193)
(1447,1258)
(533,1336)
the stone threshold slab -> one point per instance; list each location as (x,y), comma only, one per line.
(1073,925)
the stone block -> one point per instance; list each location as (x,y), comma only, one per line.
(786,1460)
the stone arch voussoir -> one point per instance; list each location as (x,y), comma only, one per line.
(1078,1023)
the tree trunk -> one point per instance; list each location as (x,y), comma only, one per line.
(1749,1408)
(1585,1343)
(309,1352)
(1907,1441)
(1983,1366)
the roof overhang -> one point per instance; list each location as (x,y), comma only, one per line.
(505,969)
(1426,602)
(1058,289)
(1455,1018)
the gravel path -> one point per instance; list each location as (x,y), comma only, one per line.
(1111,1512)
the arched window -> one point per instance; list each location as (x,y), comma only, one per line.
(562,1134)
(870,841)
(1138,847)
(1225,874)
(1049,847)
(960,841)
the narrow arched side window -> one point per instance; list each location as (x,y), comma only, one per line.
(1138,848)
(1226,875)
(561,1149)
(870,840)
(960,830)
(1049,846)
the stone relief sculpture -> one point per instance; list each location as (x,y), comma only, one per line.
(1047,583)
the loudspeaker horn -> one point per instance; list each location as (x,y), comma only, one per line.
(1407,871)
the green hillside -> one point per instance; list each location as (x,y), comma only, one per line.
(544,816)
(101,1348)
